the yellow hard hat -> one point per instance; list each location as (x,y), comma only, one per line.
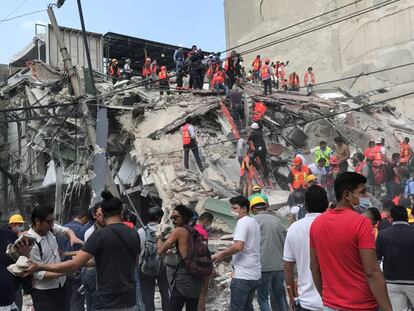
(16,219)
(257,200)
(256,188)
(311,178)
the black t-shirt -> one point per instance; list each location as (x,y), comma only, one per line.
(8,282)
(115,260)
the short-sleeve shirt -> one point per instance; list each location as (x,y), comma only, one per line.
(115,260)
(247,262)
(337,236)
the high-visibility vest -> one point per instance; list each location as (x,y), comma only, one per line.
(319,154)
(146,71)
(186,134)
(259,111)
(257,63)
(264,72)
(246,165)
(112,71)
(368,154)
(405,152)
(294,80)
(312,78)
(376,152)
(299,177)
(162,75)
(218,78)
(359,167)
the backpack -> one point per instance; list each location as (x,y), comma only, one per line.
(198,262)
(150,262)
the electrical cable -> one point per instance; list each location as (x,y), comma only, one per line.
(19,16)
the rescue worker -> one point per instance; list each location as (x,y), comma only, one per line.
(266,74)
(257,64)
(190,143)
(312,180)
(260,150)
(114,71)
(405,151)
(369,156)
(257,192)
(218,82)
(16,224)
(297,178)
(230,69)
(294,82)
(258,112)
(128,69)
(246,174)
(309,81)
(146,70)
(281,75)
(321,152)
(164,80)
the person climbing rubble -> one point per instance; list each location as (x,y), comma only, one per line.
(406,152)
(309,81)
(259,111)
(146,70)
(256,65)
(127,69)
(260,150)
(114,71)
(230,69)
(266,74)
(294,82)
(164,80)
(190,143)
(247,174)
(218,82)
(237,105)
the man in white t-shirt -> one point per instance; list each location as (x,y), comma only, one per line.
(296,250)
(319,170)
(246,256)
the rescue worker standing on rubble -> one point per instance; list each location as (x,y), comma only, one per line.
(258,112)
(146,70)
(190,143)
(128,69)
(266,74)
(218,82)
(164,80)
(260,150)
(297,178)
(114,71)
(405,151)
(196,67)
(256,65)
(321,152)
(309,81)
(230,69)
(281,70)
(294,82)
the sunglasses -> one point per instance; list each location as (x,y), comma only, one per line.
(175,217)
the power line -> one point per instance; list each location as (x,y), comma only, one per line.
(321,26)
(18,7)
(293,25)
(19,16)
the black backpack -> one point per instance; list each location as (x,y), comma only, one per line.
(150,262)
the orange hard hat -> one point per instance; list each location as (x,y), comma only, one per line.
(333,160)
(297,161)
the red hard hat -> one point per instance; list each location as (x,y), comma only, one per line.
(297,161)
(333,160)
(163,68)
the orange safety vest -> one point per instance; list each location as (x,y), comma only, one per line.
(312,76)
(376,152)
(294,80)
(405,152)
(246,165)
(264,72)
(259,111)
(299,177)
(368,154)
(146,71)
(112,71)
(218,78)
(186,134)
(257,63)
(162,75)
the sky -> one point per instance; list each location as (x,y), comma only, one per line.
(184,22)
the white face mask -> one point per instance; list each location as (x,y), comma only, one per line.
(234,214)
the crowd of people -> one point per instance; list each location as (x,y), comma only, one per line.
(222,74)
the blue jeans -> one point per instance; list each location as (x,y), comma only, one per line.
(140,304)
(309,89)
(272,283)
(218,87)
(242,294)
(88,277)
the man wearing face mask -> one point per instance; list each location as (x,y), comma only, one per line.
(16,224)
(344,266)
(246,256)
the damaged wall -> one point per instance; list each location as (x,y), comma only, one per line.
(379,39)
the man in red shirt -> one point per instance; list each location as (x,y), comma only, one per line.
(342,249)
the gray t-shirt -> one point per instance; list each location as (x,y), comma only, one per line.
(271,242)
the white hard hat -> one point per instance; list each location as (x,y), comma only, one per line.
(378,140)
(254,126)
